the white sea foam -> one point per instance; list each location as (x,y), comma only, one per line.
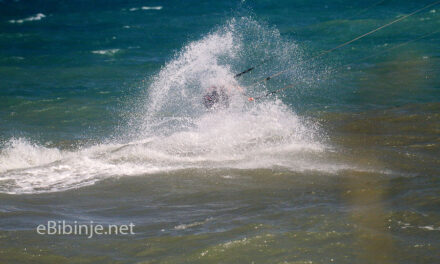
(20,153)
(36,17)
(145,8)
(430,228)
(194,224)
(151,7)
(107,52)
(264,136)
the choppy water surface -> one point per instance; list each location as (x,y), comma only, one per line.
(102,120)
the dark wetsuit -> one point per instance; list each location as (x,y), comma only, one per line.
(216,98)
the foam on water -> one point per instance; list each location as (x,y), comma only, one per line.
(36,17)
(171,129)
(145,8)
(108,52)
(265,136)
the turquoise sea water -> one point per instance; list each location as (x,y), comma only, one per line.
(101,119)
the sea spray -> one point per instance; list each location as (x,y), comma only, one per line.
(173,130)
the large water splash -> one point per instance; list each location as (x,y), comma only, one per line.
(173,130)
(176,91)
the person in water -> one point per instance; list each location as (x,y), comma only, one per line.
(218,97)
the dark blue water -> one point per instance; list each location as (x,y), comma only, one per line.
(101,118)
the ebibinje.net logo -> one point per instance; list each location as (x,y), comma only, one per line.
(90,229)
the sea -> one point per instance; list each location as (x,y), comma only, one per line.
(102,123)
